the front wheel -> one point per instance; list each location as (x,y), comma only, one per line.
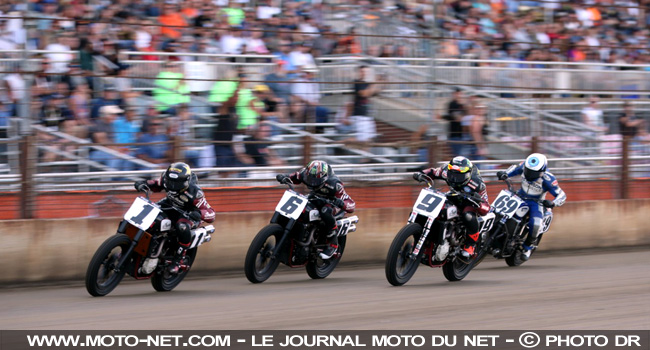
(400,265)
(259,265)
(456,269)
(163,281)
(319,268)
(101,277)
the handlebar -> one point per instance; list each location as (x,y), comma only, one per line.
(147,191)
(509,183)
(426,177)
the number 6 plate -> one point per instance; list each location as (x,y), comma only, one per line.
(141,214)
(429,203)
(291,205)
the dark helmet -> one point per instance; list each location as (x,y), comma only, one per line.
(459,172)
(316,174)
(535,166)
(177,177)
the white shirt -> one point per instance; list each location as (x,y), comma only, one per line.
(307,90)
(17,85)
(300,59)
(59,60)
(266,12)
(142,39)
(593,116)
(231,44)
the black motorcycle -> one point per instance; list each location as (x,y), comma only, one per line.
(506,238)
(295,237)
(434,236)
(145,246)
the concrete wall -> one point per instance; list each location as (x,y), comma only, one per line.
(58,249)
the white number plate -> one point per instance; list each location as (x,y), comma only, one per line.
(429,203)
(142,213)
(291,205)
(507,203)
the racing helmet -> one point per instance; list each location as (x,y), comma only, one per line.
(316,174)
(177,178)
(459,172)
(535,166)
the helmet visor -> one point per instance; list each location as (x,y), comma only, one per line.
(175,185)
(532,175)
(314,181)
(456,178)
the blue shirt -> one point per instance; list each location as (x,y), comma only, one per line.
(158,151)
(536,190)
(125,131)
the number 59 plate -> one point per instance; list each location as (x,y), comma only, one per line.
(291,205)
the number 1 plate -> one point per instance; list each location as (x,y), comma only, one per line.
(429,203)
(291,205)
(141,214)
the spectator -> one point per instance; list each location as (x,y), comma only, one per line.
(326,43)
(274,107)
(226,94)
(172,21)
(232,42)
(171,88)
(59,58)
(592,116)
(102,133)
(278,81)
(301,55)
(284,55)
(629,125)
(110,97)
(259,154)
(478,131)
(349,44)
(455,113)
(156,148)
(305,95)
(80,105)
(126,130)
(366,129)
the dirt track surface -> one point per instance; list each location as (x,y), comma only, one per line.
(604,290)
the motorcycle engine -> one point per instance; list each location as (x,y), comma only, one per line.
(442,251)
(300,255)
(148,266)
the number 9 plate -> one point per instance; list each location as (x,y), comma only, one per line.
(429,203)
(291,205)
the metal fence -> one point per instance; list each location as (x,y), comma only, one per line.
(622,170)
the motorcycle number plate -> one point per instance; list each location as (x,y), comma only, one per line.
(142,213)
(429,203)
(291,205)
(507,203)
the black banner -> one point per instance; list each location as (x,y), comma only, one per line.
(249,340)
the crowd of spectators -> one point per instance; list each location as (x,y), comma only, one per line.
(65,97)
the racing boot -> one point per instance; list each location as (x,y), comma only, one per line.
(525,252)
(333,246)
(470,245)
(175,266)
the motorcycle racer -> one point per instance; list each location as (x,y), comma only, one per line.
(535,183)
(461,175)
(319,177)
(183,193)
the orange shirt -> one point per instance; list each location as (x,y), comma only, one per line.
(175,19)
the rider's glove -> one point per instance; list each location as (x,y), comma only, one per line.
(548,204)
(502,175)
(339,203)
(417,176)
(195,215)
(281,178)
(140,186)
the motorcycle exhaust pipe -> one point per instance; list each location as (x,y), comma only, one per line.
(352,228)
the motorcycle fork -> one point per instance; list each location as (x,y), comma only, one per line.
(126,255)
(425,233)
(278,247)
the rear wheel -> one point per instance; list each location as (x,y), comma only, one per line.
(400,265)
(101,277)
(259,265)
(319,268)
(163,281)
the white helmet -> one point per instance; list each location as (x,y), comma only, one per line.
(535,166)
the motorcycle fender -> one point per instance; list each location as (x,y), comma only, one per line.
(274,219)
(142,248)
(121,228)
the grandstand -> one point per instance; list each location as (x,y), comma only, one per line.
(171,70)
